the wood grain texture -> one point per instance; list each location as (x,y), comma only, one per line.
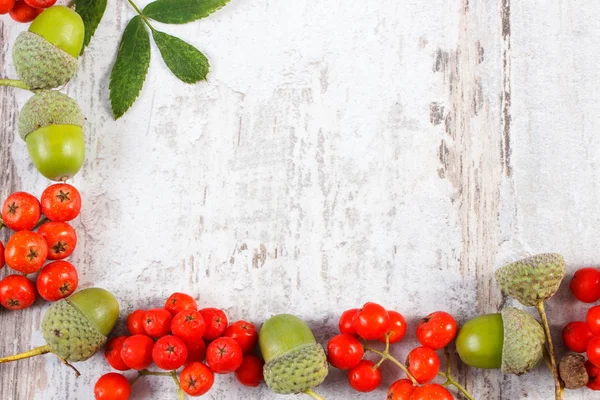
(339,153)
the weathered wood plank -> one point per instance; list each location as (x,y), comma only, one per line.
(553,193)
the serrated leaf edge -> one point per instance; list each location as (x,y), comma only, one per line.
(163,58)
(186,22)
(92,31)
(110,86)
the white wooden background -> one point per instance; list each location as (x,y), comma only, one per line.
(341,152)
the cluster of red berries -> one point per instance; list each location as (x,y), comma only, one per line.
(176,336)
(584,337)
(374,323)
(24,10)
(27,251)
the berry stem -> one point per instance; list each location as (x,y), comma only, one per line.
(448,363)
(448,375)
(151,373)
(15,83)
(41,222)
(172,374)
(31,353)
(312,394)
(179,390)
(558,385)
(387,342)
(450,380)
(387,356)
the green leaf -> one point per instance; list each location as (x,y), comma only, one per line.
(130,69)
(181,11)
(184,60)
(91,12)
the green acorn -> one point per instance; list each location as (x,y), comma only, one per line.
(51,124)
(45,56)
(512,341)
(533,279)
(77,327)
(294,361)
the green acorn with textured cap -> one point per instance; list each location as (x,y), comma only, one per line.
(294,361)
(77,327)
(532,281)
(45,56)
(511,340)
(51,124)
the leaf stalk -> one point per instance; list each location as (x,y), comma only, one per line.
(141,14)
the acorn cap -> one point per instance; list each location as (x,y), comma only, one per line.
(297,371)
(69,333)
(77,327)
(572,371)
(524,341)
(533,279)
(40,64)
(49,108)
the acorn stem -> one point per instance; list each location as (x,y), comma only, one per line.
(558,385)
(15,83)
(312,394)
(38,351)
(77,373)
